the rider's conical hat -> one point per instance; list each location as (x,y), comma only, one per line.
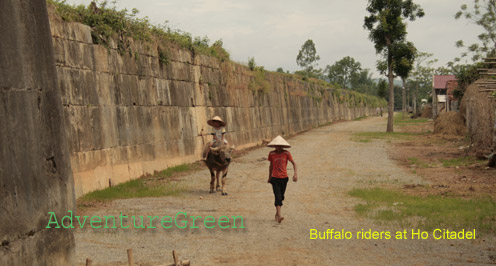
(216,118)
(279,141)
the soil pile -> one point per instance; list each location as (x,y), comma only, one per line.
(450,123)
(427,112)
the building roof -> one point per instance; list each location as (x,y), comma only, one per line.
(439,81)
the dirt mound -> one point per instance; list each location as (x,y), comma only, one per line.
(427,112)
(450,123)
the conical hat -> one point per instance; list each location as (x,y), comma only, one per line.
(216,118)
(279,141)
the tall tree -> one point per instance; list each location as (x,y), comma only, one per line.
(343,70)
(421,74)
(483,13)
(307,58)
(363,82)
(382,89)
(405,54)
(387,27)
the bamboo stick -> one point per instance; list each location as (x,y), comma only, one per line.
(130,258)
(175,256)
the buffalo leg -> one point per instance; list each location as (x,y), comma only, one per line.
(224,174)
(217,175)
(212,181)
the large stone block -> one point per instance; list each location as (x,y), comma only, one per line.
(180,71)
(104,89)
(78,55)
(110,134)
(207,61)
(181,92)
(35,175)
(180,55)
(73,31)
(100,58)
(210,76)
(147,92)
(126,89)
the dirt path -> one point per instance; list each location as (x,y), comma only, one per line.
(329,165)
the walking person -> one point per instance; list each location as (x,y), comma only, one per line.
(278,175)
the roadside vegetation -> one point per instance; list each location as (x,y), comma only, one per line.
(457,191)
(430,212)
(107,23)
(389,136)
(160,184)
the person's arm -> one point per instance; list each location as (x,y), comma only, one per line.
(223,135)
(270,172)
(295,176)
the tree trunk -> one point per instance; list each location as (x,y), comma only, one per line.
(403,100)
(407,100)
(391,87)
(415,99)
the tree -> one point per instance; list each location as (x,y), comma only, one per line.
(343,70)
(421,75)
(483,14)
(382,88)
(405,54)
(307,58)
(280,70)
(387,28)
(363,82)
(251,63)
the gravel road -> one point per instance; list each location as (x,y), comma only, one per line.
(329,165)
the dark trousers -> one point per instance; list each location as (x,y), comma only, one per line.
(279,188)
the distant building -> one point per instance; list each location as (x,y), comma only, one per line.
(442,93)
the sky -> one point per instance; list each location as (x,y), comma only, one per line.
(273,31)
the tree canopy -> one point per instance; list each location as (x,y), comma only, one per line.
(307,57)
(387,30)
(343,70)
(483,13)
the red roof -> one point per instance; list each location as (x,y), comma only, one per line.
(440,81)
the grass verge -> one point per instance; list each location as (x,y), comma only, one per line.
(360,118)
(462,161)
(432,212)
(157,185)
(407,120)
(369,136)
(417,162)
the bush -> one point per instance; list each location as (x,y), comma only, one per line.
(251,63)
(108,22)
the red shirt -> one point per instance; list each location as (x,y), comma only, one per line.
(279,163)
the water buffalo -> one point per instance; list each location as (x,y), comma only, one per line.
(217,161)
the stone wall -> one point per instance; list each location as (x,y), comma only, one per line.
(35,177)
(144,109)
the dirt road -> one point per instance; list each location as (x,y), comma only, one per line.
(329,165)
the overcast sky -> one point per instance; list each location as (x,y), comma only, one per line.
(273,31)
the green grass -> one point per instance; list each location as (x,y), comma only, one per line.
(462,161)
(173,170)
(360,118)
(142,187)
(417,162)
(407,120)
(387,206)
(368,136)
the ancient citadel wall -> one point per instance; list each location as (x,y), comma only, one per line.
(145,109)
(35,177)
